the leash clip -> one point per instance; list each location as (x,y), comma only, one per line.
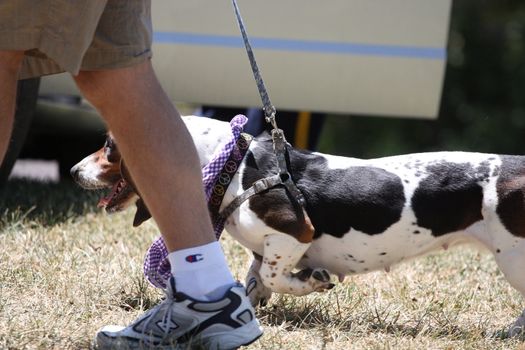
(269,115)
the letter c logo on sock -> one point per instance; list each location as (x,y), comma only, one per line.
(194,258)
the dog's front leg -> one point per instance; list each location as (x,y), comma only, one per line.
(257,292)
(282,252)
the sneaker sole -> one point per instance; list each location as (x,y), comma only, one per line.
(230,340)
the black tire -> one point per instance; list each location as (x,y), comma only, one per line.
(27,95)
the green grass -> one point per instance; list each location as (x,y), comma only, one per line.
(67,269)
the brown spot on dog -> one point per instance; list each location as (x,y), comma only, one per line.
(278,211)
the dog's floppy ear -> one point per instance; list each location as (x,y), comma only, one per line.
(142,214)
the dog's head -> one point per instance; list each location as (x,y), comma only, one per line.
(106,169)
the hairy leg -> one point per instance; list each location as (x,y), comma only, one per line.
(10,62)
(157,149)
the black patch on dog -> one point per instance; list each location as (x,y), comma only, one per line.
(364,198)
(483,171)
(511,196)
(449,198)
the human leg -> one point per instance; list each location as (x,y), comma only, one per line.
(162,160)
(117,34)
(10,63)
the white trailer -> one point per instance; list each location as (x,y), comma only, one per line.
(374,57)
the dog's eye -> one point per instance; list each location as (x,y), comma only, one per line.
(110,148)
(109,144)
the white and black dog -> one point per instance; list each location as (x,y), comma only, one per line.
(361,215)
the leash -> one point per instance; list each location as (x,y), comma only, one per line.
(279,141)
(269,109)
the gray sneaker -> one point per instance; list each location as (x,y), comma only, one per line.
(180,322)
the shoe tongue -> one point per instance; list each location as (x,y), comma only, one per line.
(219,292)
(172,292)
(171,289)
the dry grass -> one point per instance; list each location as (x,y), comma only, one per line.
(66,269)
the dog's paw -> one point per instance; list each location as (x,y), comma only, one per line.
(257,293)
(321,275)
(517,332)
(320,280)
(303,275)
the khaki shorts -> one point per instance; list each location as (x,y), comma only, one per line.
(74,35)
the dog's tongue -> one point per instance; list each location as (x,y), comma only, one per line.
(105,201)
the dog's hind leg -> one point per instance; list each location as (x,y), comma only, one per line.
(282,252)
(512,262)
(257,292)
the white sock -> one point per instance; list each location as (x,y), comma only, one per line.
(201,272)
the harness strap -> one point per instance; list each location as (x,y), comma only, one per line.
(280,149)
(257,187)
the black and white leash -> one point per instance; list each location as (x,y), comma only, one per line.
(268,108)
(279,142)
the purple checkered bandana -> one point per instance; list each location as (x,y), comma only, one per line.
(157,267)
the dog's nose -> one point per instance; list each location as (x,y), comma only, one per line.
(74,172)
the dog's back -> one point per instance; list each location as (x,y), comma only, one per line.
(370,214)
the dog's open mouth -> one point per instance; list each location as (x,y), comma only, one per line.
(117,199)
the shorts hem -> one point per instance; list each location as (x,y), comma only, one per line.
(113,59)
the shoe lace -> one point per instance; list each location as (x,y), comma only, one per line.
(166,317)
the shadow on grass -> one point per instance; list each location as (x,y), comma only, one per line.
(138,298)
(293,314)
(44,203)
